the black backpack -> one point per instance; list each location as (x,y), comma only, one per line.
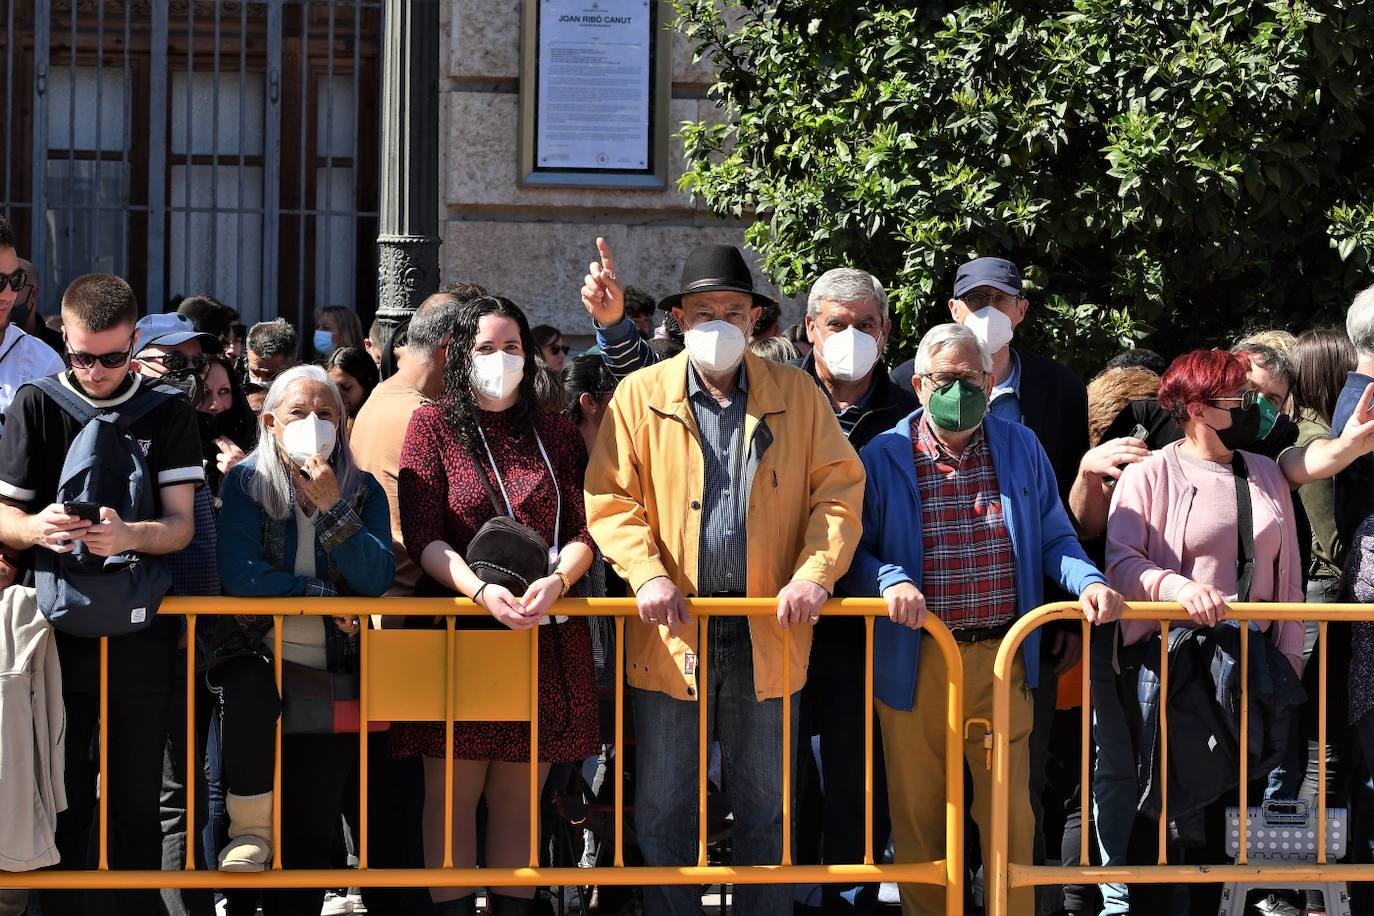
(84,594)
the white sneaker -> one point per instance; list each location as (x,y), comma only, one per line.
(1274,905)
(336,905)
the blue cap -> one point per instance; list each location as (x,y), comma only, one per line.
(170,329)
(998,273)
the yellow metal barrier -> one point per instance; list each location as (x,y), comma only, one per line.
(417,675)
(1005,875)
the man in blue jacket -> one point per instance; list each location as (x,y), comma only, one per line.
(992,528)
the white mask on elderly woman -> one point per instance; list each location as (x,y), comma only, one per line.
(309,437)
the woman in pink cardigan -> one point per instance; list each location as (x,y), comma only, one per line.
(1172,536)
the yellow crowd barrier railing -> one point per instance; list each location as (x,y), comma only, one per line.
(452,675)
(1005,875)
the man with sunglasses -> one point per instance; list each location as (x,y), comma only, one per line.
(22,356)
(98,312)
(171,350)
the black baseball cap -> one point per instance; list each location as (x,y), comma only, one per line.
(998,273)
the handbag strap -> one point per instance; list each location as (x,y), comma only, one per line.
(1245,529)
(558,494)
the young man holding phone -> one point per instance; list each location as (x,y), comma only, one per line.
(99,311)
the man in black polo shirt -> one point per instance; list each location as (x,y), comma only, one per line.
(98,313)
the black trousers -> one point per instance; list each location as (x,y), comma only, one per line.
(248,707)
(830,826)
(138,731)
(315,771)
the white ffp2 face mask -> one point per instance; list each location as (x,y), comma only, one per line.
(715,346)
(849,354)
(309,437)
(992,327)
(496,375)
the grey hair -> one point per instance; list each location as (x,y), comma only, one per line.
(270,484)
(1359,323)
(1267,358)
(846,284)
(775,349)
(430,325)
(949,337)
(273,338)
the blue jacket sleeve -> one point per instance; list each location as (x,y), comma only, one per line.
(1065,561)
(360,545)
(622,349)
(868,574)
(243,567)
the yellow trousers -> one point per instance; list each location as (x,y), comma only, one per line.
(914,751)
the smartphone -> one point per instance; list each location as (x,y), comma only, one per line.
(85,511)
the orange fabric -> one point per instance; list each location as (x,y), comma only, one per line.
(1070,688)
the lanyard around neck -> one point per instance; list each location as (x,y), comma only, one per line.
(558,517)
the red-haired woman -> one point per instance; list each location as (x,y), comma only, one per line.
(1172,535)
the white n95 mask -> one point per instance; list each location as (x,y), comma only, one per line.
(715,346)
(849,354)
(309,437)
(495,375)
(992,327)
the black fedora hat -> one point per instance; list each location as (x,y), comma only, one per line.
(713,269)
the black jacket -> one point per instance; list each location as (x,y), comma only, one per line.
(1054,405)
(887,403)
(1204,720)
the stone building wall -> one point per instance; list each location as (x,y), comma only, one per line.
(534,244)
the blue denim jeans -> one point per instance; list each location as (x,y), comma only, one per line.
(1114,783)
(750,735)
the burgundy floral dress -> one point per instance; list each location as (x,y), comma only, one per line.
(442,499)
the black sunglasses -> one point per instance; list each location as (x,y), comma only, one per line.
(16,281)
(176,362)
(1247,400)
(108,360)
(559,348)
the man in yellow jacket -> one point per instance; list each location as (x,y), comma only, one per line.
(717,475)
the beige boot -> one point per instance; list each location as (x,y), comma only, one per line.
(250,833)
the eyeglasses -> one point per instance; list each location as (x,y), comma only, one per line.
(559,348)
(16,281)
(941,379)
(176,362)
(1246,400)
(108,360)
(976,301)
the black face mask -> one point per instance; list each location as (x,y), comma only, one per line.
(210,425)
(1244,428)
(187,382)
(182,376)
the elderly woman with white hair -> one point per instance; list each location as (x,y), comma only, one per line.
(299,519)
(962,519)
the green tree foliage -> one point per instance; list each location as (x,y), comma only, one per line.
(1173,170)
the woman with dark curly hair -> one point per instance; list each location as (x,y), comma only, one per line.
(487,441)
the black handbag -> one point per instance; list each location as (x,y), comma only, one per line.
(503,551)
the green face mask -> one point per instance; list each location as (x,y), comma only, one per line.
(957,407)
(1269,415)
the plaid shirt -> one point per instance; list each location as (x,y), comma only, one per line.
(969,578)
